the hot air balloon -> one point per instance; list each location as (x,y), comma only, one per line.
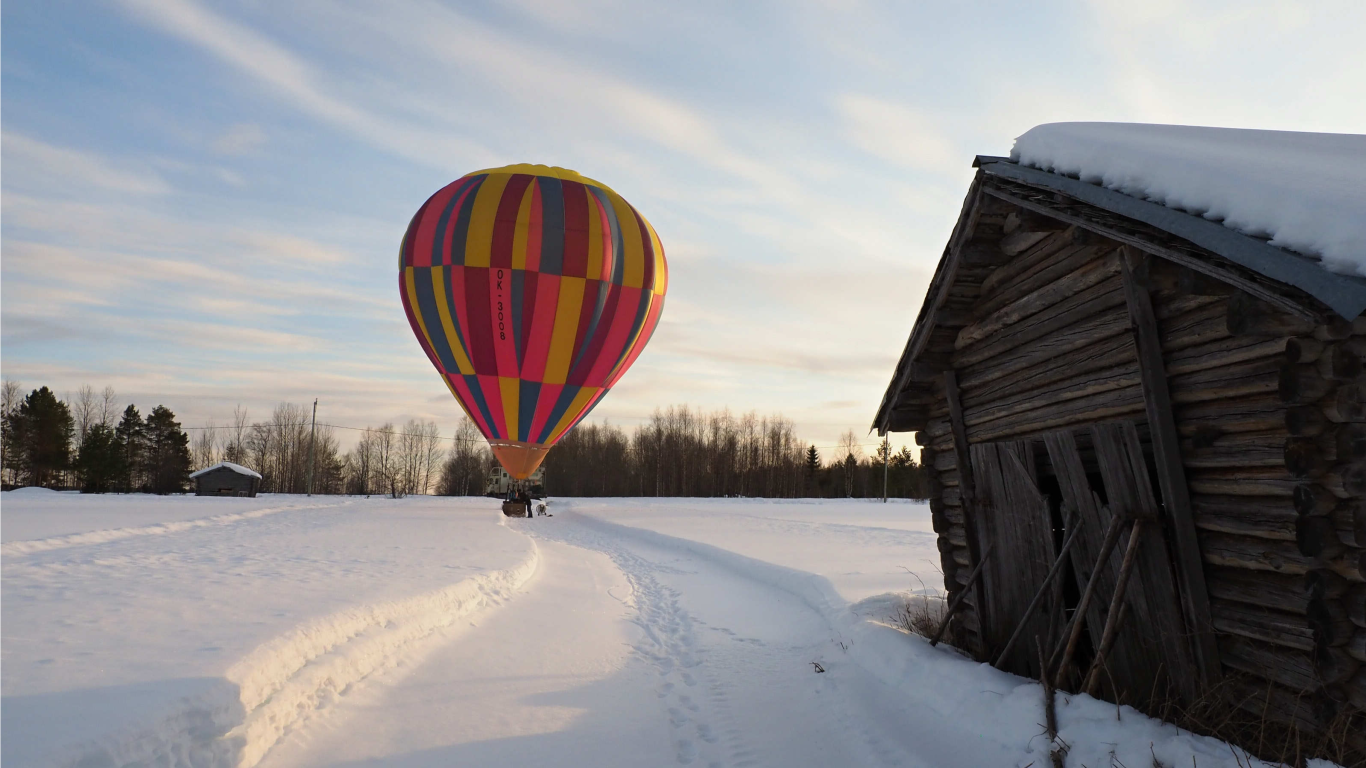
(531,289)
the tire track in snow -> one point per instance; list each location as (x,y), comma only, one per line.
(294,678)
(32,546)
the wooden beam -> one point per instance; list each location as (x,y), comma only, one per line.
(968,486)
(1199,265)
(1118,610)
(1171,474)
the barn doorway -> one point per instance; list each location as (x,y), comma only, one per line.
(1033,493)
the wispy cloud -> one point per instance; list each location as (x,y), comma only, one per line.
(240,139)
(41,166)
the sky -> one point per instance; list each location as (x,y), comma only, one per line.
(201,203)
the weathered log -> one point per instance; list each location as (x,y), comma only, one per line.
(1083,410)
(1346,480)
(1091,302)
(1307,456)
(954,606)
(1239,449)
(1292,668)
(1269,517)
(1071,388)
(1021,241)
(1305,420)
(1075,339)
(1069,276)
(942,462)
(1254,554)
(1317,537)
(1200,326)
(1347,404)
(1216,354)
(1016,268)
(1302,384)
(1238,380)
(1349,442)
(1329,621)
(1339,363)
(1311,499)
(1246,315)
(1281,592)
(1325,585)
(1258,413)
(1167,306)
(1264,699)
(1335,329)
(1250,481)
(1276,627)
(993,384)
(1303,350)
(1050,258)
(1338,665)
(1349,520)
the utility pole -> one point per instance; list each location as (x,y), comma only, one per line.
(886,462)
(312,430)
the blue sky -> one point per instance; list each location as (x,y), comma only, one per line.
(202,202)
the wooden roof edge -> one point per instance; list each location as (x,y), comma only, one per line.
(934,299)
(1343,294)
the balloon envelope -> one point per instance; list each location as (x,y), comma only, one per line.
(531,289)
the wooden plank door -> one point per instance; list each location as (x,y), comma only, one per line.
(1018,520)
(1151,654)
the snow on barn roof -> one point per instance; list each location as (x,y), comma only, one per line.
(1302,191)
(238,468)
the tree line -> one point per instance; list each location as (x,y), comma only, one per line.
(49,443)
(684,452)
(89,444)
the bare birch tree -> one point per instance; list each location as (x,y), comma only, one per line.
(85,410)
(109,407)
(204,448)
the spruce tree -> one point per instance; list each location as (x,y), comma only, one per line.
(813,467)
(100,461)
(40,433)
(166,461)
(132,440)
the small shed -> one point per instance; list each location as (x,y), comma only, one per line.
(1138,386)
(226,479)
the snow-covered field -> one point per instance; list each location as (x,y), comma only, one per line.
(288,631)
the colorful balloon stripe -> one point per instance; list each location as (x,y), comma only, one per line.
(532,290)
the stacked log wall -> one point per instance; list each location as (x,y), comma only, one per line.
(1260,406)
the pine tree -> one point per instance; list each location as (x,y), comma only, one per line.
(132,441)
(39,432)
(813,467)
(100,461)
(166,460)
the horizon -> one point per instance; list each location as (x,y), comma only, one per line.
(204,203)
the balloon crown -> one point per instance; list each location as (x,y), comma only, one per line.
(536,169)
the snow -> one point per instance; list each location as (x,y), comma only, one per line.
(435,632)
(1305,192)
(238,468)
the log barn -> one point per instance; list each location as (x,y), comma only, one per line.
(1145,433)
